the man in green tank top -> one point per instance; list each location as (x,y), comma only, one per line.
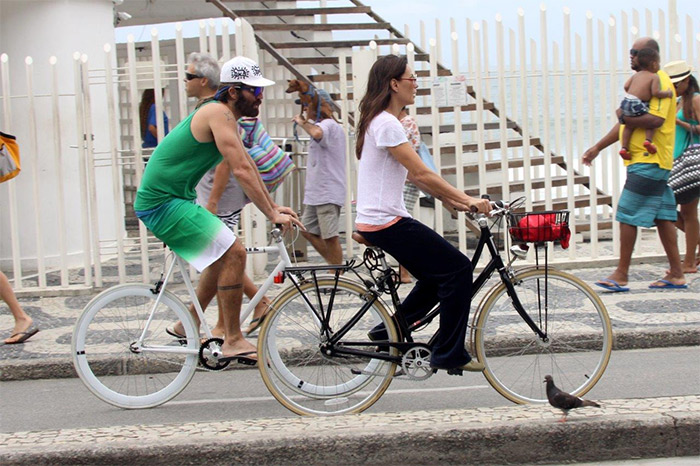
(165,199)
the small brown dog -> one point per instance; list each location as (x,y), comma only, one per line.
(312,101)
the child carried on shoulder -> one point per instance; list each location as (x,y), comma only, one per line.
(639,89)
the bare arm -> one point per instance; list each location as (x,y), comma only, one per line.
(221,177)
(695,129)
(644,121)
(153,130)
(610,138)
(628,82)
(656,89)
(314,131)
(225,131)
(431,183)
(278,208)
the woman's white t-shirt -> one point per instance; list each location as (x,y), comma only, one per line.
(380,176)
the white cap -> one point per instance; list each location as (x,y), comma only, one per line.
(245,71)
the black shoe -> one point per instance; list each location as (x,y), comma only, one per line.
(378,333)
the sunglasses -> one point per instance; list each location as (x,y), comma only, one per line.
(256,91)
(190,76)
(633,52)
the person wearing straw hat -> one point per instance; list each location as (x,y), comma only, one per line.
(687,133)
(646,199)
(165,199)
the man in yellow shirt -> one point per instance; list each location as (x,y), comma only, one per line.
(646,199)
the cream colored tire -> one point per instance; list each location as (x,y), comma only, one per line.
(296,368)
(579,336)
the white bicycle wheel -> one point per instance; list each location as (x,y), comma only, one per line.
(579,336)
(295,364)
(111,362)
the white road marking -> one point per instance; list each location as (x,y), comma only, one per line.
(402,391)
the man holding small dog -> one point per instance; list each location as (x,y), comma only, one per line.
(325,185)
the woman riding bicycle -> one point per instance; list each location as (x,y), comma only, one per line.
(443,273)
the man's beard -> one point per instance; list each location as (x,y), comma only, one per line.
(246,108)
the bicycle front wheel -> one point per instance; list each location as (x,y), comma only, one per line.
(297,369)
(125,366)
(575,321)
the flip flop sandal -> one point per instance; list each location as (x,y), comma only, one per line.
(26,335)
(171,331)
(256,323)
(667,285)
(614,287)
(241,358)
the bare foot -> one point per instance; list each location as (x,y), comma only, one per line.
(404,276)
(218,331)
(241,346)
(671,279)
(21,325)
(615,279)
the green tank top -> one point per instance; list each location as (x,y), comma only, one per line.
(175,168)
(683,137)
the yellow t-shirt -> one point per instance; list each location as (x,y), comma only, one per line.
(664,136)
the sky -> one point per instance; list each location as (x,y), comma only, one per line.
(410,12)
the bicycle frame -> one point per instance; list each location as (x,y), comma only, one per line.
(495,264)
(283,264)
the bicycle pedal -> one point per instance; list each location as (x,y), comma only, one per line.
(455,371)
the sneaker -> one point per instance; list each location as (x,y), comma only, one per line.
(378,333)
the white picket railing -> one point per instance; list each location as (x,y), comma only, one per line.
(550,89)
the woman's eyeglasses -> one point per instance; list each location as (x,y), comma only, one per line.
(256,91)
(412,78)
(190,76)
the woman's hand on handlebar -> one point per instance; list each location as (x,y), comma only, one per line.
(481,206)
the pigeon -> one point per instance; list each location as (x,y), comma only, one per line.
(564,401)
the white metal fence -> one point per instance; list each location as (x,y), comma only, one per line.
(64,215)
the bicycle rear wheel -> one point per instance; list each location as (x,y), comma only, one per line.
(112,364)
(578,329)
(304,378)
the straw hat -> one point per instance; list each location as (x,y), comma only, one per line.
(677,70)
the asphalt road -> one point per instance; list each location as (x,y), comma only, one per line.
(65,403)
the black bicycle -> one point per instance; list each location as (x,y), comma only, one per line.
(316,357)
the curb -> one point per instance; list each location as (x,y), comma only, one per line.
(58,367)
(622,429)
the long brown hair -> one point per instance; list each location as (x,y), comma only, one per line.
(378,94)
(148,98)
(687,98)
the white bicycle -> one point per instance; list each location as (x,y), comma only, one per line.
(120,347)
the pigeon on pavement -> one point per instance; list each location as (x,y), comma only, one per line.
(564,401)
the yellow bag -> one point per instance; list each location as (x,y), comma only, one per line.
(9,157)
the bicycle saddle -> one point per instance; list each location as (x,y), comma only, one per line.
(358,238)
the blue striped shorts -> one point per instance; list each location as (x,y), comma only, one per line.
(646,196)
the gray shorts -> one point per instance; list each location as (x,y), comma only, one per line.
(321,220)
